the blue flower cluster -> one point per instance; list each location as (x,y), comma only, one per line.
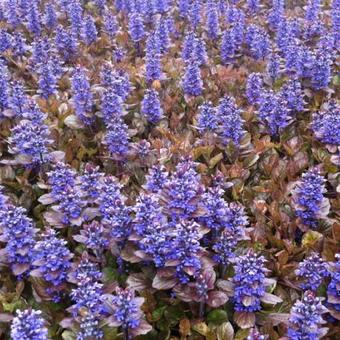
(181,193)
(125,310)
(326,124)
(82,95)
(28,324)
(151,106)
(19,233)
(30,140)
(310,204)
(53,261)
(306,318)
(230,121)
(312,271)
(333,291)
(115,213)
(249,282)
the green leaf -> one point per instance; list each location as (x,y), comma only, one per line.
(158,313)
(217,316)
(68,335)
(174,313)
(110,333)
(241,334)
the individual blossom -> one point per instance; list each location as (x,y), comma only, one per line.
(321,72)
(82,95)
(312,270)
(188,45)
(29,324)
(215,209)
(11,13)
(18,232)
(89,328)
(60,179)
(207,118)
(199,53)
(326,45)
(136,27)
(18,100)
(142,150)
(153,68)
(156,178)
(254,88)
(90,181)
(228,47)
(111,26)
(4,87)
(306,318)
(118,54)
(333,290)
(163,35)
(195,13)
(89,31)
(161,6)
(312,10)
(276,14)
(224,247)
(75,16)
(125,312)
(299,60)
(153,44)
(148,214)
(70,207)
(85,270)
(50,16)
(293,94)
(230,121)
(192,83)
(5,41)
(52,260)
(326,124)
(258,41)
(111,105)
(212,24)
(185,250)
(66,43)
(273,112)
(109,193)
(87,296)
(253,6)
(183,7)
(116,215)
(156,243)
(117,81)
(34,20)
(335,15)
(249,284)
(181,194)
(94,236)
(228,222)
(287,32)
(273,66)
(117,139)
(29,141)
(20,47)
(100,4)
(47,80)
(308,198)
(151,106)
